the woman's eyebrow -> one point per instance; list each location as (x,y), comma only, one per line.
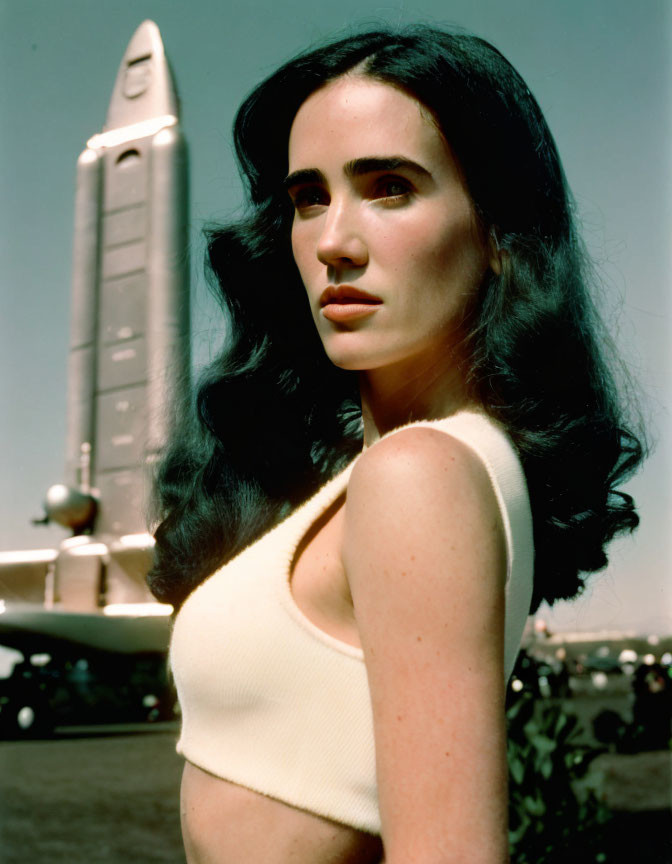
(372,164)
(304,175)
(357,168)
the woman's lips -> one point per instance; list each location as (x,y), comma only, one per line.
(345,303)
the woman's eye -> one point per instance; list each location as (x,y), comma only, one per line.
(392,189)
(309,196)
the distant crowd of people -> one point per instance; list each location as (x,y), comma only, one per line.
(651,688)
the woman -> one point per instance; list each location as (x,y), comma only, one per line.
(409,260)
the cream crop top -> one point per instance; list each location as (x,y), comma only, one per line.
(271,702)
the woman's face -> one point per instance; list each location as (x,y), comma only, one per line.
(384,232)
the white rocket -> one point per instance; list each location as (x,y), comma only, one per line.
(130,302)
(129,348)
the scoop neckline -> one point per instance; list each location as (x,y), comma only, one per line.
(474,412)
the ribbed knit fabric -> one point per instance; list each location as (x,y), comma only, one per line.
(271,702)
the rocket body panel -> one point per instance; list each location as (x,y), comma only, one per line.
(123,494)
(126,177)
(122,363)
(121,418)
(123,308)
(124,226)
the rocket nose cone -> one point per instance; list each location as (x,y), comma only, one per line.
(144,87)
(146,41)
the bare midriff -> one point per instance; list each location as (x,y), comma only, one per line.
(223,823)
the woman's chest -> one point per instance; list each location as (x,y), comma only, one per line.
(275,617)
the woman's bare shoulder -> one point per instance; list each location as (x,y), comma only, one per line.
(420,503)
(423,463)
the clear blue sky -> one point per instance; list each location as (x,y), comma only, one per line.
(601,71)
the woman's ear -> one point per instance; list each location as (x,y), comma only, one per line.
(495,252)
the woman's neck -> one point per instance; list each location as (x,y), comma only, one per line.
(395,395)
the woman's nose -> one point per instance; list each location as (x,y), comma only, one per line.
(341,241)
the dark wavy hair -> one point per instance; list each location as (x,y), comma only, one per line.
(273,418)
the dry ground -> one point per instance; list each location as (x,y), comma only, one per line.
(84,800)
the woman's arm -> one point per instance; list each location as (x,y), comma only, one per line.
(425,556)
